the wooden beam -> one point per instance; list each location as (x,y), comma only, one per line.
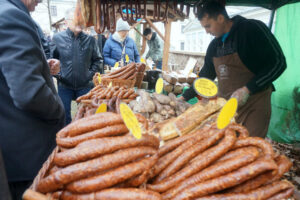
(168,24)
(156,30)
(138,32)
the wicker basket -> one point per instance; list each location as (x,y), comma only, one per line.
(139,79)
(118,82)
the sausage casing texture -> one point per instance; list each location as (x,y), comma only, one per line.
(283,164)
(115,194)
(243,132)
(261,193)
(172,144)
(82,170)
(104,132)
(214,171)
(109,178)
(228,180)
(96,147)
(90,123)
(265,146)
(208,157)
(236,152)
(284,195)
(189,153)
(164,161)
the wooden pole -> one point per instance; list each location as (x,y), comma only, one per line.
(168,24)
(156,29)
(144,41)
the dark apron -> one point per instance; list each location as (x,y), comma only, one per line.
(233,74)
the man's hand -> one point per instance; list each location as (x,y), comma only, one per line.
(54,66)
(242,95)
(181,98)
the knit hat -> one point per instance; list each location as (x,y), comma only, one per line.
(122,25)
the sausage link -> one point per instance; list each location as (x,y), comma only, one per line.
(228,180)
(133,96)
(82,170)
(164,161)
(121,94)
(128,74)
(190,153)
(214,171)
(243,132)
(128,93)
(115,194)
(236,152)
(142,120)
(113,130)
(172,144)
(96,147)
(283,166)
(121,73)
(284,195)
(262,193)
(208,157)
(265,146)
(90,123)
(139,180)
(109,178)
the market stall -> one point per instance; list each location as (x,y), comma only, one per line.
(179,150)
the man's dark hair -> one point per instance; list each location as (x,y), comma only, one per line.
(147,31)
(212,9)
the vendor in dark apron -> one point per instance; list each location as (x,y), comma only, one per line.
(232,74)
(246,58)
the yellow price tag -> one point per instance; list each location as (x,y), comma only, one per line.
(99,79)
(159,86)
(127,58)
(205,87)
(227,113)
(143,60)
(110,85)
(116,65)
(102,108)
(130,121)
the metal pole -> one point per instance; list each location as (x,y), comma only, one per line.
(271,18)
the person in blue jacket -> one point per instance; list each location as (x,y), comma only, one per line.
(119,45)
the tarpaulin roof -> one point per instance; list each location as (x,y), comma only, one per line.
(269,4)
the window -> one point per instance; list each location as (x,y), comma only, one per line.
(53,11)
(182,46)
(182,27)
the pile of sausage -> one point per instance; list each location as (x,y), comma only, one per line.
(99,159)
(128,72)
(213,164)
(112,96)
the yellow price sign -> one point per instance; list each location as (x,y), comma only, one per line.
(102,108)
(99,78)
(205,87)
(116,65)
(110,85)
(159,86)
(130,121)
(143,60)
(227,113)
(127,58)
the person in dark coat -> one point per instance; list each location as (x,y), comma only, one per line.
(80,60)
(119,45)
(31,112)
